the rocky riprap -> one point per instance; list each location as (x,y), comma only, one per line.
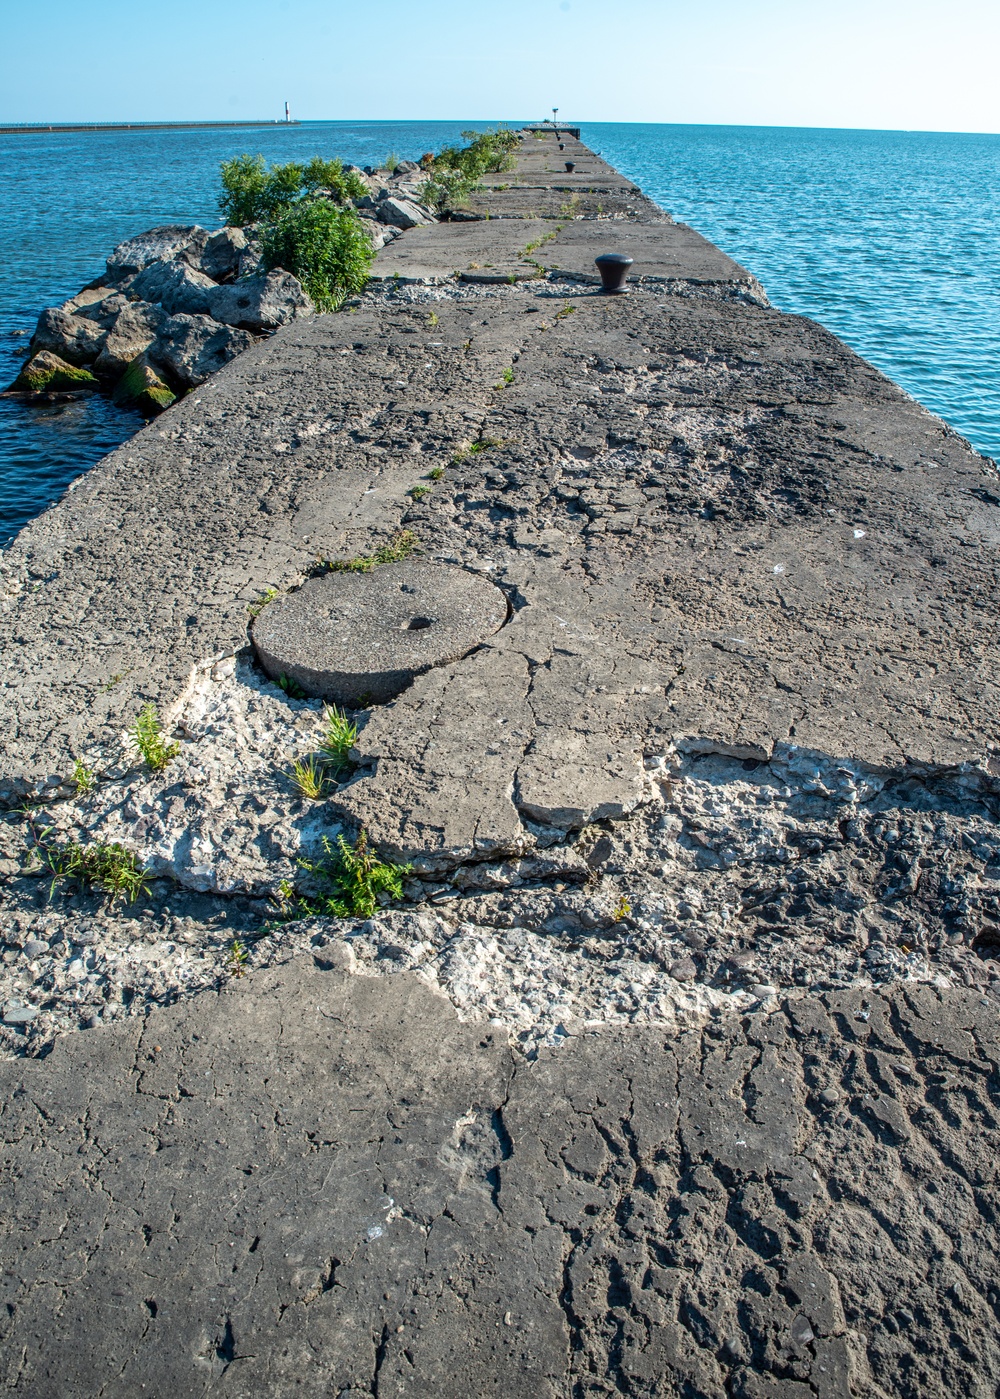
(178,302)
(675,1070)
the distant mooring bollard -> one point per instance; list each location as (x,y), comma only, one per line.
(613,268)
(571,165)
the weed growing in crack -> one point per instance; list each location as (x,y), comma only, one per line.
(84,778)
(113,681)
(339,737)
(308,776)
(146,735)
(472,449)
(435,473)
(358,881)
(507,377)
(567,310)
(110,868)
(433,318)
(268,595)
(236,958)
(400,547)
(622,909)
(291,687)
(418,492)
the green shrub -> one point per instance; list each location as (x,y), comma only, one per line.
(252,192)
(330,174)
(455,171)
(326,247)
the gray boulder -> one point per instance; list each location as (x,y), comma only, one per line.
(377,233)
(191,348)
(156,245)
(401,213)
(176,286)
(135,328)
(220,258)
(104,311)
(72,338)
(261,302)
(89,297)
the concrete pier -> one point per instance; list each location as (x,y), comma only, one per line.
(730,763)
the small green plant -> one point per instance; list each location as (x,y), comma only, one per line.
(357,880)
(567,310)
(418,492)
(339,737)
(400,547)
(237,958)
(433,318)
(84,779)
(291,687)
(146,735)
(308,776)
(325,246)
(435,473)
(390,163)
(622,909)
(268,595)
(113,681)
(507,377)
(110,868)
(472,449)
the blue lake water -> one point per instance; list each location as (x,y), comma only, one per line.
(891,239)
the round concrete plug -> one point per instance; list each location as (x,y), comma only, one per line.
(361,638)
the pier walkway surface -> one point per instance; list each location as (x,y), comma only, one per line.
(676,1070)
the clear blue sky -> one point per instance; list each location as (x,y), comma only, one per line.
(925,64)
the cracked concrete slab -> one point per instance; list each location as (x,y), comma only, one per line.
(322,1181)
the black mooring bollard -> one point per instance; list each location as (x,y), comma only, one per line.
(570,165)
(561,146)
(613,268)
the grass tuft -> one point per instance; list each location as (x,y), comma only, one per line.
(338,739)
(418,492)
(146,735)
(435,473)
(308,776)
